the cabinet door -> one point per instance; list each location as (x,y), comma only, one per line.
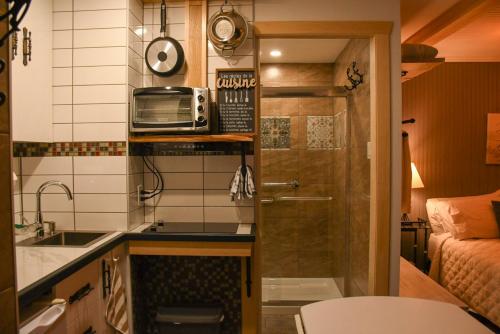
(32,84)
(120,255)
(83,313)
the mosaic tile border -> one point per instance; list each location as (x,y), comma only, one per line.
(118,148)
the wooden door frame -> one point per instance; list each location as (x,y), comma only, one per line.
(380,113)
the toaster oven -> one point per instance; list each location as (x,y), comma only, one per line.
(170,109)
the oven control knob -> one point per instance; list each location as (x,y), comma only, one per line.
(201,119)
(201,109)
(201,98)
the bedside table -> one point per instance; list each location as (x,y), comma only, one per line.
(414,237)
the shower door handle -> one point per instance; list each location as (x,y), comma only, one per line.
(304,198)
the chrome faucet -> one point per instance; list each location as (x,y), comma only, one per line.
(39,217)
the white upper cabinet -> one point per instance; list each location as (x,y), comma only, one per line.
(32,83)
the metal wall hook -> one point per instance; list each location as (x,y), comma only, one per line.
(26,46)
(354,82)
(16,12)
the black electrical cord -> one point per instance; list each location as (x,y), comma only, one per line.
(158,183)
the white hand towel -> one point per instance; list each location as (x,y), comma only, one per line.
(116,310)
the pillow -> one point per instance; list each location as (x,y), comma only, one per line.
(435,219)
(496,210)
(464,217)
(473,217)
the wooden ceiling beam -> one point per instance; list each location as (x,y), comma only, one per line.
(452,20)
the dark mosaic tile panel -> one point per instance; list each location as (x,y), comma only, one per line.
(70,149)
(275,132)
(185,280)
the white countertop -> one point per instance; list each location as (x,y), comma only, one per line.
(387,315)
(34,263)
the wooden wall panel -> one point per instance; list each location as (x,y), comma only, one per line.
(448,140)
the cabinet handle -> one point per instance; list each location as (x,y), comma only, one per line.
(3,98)
(80,294)
(90,330)
(26,46)
(106,278)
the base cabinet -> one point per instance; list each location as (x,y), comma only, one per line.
(86,296)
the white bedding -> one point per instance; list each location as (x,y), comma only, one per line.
(470,270)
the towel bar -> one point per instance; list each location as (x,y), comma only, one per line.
(304,198)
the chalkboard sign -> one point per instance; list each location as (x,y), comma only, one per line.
(235,96)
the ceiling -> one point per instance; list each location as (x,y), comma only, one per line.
(301,50)
(462,30)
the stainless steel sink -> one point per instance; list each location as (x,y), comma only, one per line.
(65,239)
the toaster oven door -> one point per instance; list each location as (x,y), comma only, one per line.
(163,112)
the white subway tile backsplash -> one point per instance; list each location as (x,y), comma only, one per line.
(222,198)
(100,113)
(177,180)
(135,60)
(134,42)
(174,15)
(246,49)
(100,165)
(62,58)
(100,94)
(65,221)
(62,76)
(100,56)
(100,203)
(62,21)
(174,198)
(50,202)
(179,214)
(62,39)
(89,38)
(101,221)
(32,182)
(99,75)
(100,132)
(136,7)
(148,15)
(238,214)
(62,113)
(94,19)
(47,165)
(62,5)
(174,80)
(134,78)
(62,132)
(177,31)
(224,163)
(100,184)
(217,180)
(185,164)
(99,4)
(62,95)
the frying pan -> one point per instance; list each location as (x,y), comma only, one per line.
(164,55)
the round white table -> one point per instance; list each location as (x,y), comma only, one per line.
(387,315)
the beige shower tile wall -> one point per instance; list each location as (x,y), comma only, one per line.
(176,28)
(16,190)
(98,184)
(359,109)
(90,69)
(197,190)
(297,232)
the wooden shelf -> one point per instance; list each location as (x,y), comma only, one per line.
(192,138)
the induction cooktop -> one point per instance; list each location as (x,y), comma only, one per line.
(164,227)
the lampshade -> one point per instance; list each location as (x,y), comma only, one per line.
(416,180)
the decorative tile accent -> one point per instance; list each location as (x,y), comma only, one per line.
(320,132)
(187,149)
(70,149)
(185,280)
(275,132)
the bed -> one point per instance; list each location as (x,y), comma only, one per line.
(470,270)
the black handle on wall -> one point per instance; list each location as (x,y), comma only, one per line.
(80,294)
(106,278)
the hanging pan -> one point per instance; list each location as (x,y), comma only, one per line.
(227,30)
(164,55)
